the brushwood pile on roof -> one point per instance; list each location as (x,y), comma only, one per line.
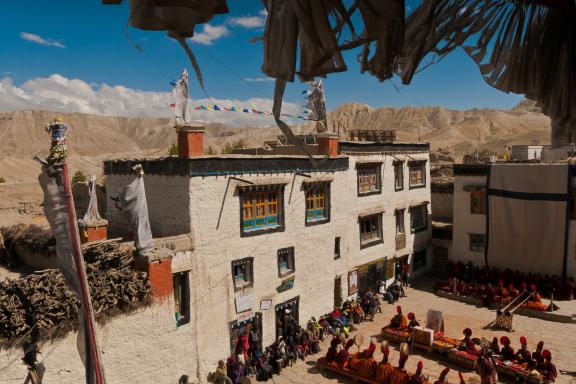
(42,301)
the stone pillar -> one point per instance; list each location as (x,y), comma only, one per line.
(327,144)
(190,141)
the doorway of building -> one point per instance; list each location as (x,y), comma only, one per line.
(284,313)
(252,328)
(338,291)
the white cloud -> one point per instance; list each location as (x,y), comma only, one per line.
(258,79)
(248,21)
(210,34)
(60,94)
(33,38)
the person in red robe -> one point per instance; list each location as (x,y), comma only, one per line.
(467,344)
(333,350)
(398,322)
(418,377)
(548,369)
(523,348)
(513,291)
(537,355)
(461,377)
(344,355)
(507,352)
(494,346)
(384,369)
(367,367)
(399,374)
(412,321)
(486,367)
(442,378)
(535,295)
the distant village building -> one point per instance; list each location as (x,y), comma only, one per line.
(526,152)
(527,225)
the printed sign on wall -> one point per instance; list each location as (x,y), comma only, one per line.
(352,282)
(243,303)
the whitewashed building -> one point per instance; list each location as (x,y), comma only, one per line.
(251,236)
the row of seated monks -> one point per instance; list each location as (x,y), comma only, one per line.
(364,364)
(399,322)
(539,360)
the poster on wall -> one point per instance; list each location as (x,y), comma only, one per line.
(265,305)
(243,303)
(352,282)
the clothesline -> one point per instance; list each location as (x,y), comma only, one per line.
(215,107)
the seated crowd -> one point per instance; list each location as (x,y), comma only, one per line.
(503,353)
(502,286)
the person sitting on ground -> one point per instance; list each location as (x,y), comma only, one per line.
(343,357)
(221,374)
(548,369)
(502,293)
(513,291)
(400,375)
(413,323)
(507,352)
(467,344)
(357,312)
(418,377)
(398,321)
(442,378)
(494,346)
(384,369)
(367,366)
(535,295)
(333,350)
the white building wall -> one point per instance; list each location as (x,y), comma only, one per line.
(465,222)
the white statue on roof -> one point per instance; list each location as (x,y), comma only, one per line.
(180,92)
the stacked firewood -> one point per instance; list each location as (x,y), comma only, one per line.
(42,300)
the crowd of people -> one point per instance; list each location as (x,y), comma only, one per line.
(501,352)
(295,342)
(502,286)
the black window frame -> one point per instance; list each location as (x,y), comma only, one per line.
(250,262)
(292,260)
(397,213)
(279,188)
(476,249)
(378,168)
(398,165)
(307,188)
(182,302)
(424,208)
(422,165)
(337,249)
(380,239)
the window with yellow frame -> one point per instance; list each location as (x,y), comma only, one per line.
(317,202)
(260,209)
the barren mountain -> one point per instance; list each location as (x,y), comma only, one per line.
(459,132)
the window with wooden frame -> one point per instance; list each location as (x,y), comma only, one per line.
(286,265)
(368,178)
(390,266)
(317,202)
(242,273)
(399,213)
(417,173)
(336,247)
(398,175)
(261,208)
(370,230)
(418,218)
(477,242)
(181,286)
(478,202)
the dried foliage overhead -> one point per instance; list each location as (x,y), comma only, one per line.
(43,302)
(520,46)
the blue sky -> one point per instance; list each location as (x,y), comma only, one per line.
(83,39)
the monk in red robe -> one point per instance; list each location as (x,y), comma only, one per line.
(537,355)
(412,321)
(343,356)
(548,369)
(523,347)
(384,369)
(507,352)
(442,378)
(398,322)
(333,350)
(367,366)
(467,344)
(418,377)
(399,375)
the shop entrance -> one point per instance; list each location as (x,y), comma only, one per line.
(252,328)
(369,275)
(284,313)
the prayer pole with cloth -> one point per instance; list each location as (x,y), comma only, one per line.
(60,213)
